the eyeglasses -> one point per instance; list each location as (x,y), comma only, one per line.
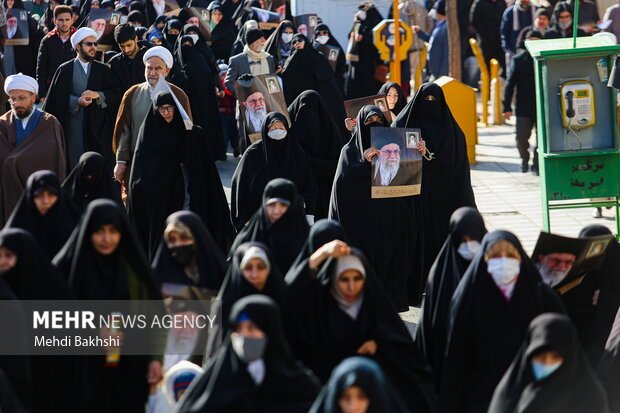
(18,100)
(89,44)
(255,101)
(166,109)
(389,152)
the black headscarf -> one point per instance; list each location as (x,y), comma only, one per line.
(401,102)
(306,69)
(52,229)
(89,181)
(222,34)
(341,63)
(93,276)
(275,46)
(264,161)
(365,374)
(226,385)
(322,232)
(206,255)
(170,40)
(593,322)
(486,331)
(235,287)
(369,223)
(446,182)
(331,41)
(33,277)
(609,368)
(445,275)
(285,236)
(324,335)
(573,387)
(316,132)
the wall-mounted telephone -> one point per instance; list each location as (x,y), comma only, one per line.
(577,98)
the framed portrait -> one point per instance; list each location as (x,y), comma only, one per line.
(333,54)
(397,170)
(353,106)
(206,16)
(413,137)
(257,97)
(195,17)
(306,24)
(16,33)
(103,23)
(115,18)
(597,248)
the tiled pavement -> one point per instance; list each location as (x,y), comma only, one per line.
(507,198)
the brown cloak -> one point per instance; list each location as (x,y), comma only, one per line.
(43,148)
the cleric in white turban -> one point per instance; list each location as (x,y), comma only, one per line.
(30,140)
(137,101)
(84,95)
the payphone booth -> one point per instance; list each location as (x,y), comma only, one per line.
(577,121)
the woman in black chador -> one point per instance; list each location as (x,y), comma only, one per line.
(172,170)
(254,370)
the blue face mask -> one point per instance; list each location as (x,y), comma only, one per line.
(542,371)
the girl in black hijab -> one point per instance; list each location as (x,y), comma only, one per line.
(89,181)
(339,310)
(279,44)
(222,32)
(463,242)
(306,69)
(323,36)
(383,228)
(44,212)
(492,307)
(592,305)
(188,255)
(195,76)
(362,55)
(550,373)
(279,223)
(276,155)
(446,184)
(252,271)
(172,170)
(103,261)
(395,99)
(609,368)
(316,132)
(357,382)
(254,370)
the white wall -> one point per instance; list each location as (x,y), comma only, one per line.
(337,14)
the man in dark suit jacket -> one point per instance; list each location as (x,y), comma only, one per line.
(254,61)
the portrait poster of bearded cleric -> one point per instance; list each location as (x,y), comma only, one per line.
(103,22)
(397,169)
(563,262)
(259,95)
(16,28)
(353,106)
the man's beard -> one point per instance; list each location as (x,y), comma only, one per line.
(23,114)
(551,277)
(256,117)
(388,170)
(84,56)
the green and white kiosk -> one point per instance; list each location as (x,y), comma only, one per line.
(577,121)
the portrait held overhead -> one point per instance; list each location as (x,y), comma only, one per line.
(292,206)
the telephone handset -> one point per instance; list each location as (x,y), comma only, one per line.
(577,98)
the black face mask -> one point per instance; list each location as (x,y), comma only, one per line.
(182,255)
(374,125)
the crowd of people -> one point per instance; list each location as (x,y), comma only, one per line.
(110,191)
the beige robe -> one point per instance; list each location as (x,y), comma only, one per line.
(43,148)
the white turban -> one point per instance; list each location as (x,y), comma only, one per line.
(82,34)
(21,82)
(161,52)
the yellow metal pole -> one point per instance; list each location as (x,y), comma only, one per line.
(418,70)
(497,91)
(395,69)
(484,80)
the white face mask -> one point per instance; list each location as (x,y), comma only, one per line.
(287,37)
(565,25)
(504,270)
(322,39)
(468,250)
(277,134)
(194,37)
(361,15)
